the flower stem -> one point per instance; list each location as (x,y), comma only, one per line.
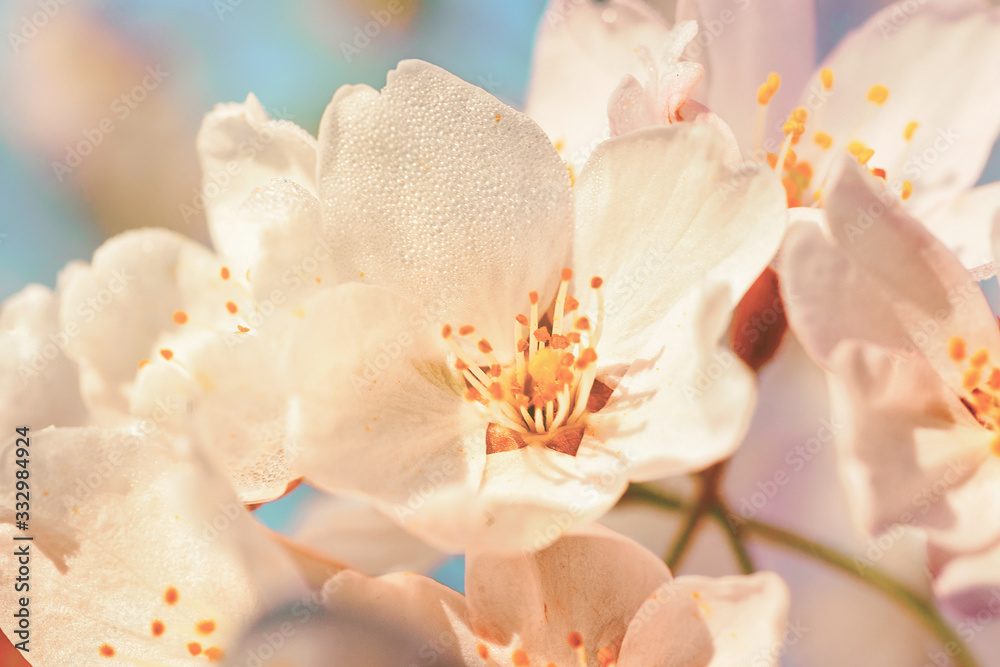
(918,605)
(735,537)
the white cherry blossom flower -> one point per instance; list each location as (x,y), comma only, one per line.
(581,325)
(911,347)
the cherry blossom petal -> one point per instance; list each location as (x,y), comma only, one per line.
(528,498)
(745,616)
(913,453)
(969,582)
(293,257)
(965,224)
(379,413)
(145,282)
(240,149)
(39,385)
(582,51)
(911,53)
(201,570)
(887,280)
(538,599)
(227,391)
(686,404)
(652,245)
(440,192)
(740,43)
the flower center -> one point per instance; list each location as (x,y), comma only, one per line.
(797,173)
(543,394)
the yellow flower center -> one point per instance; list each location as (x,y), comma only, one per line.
(544,392)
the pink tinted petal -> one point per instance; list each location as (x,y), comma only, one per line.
(541,597)
(912,452)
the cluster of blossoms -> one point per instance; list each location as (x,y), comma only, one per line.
(482,330)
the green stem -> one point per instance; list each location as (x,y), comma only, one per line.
(683,540)
(735,538)
(918,605)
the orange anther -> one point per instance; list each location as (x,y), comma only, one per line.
(461,365)
(522,345)
(823,140)
(194,648)
(582,323)
(575,639)
(224,273)
(826,77)
(213,653)
(107,651)
(878,173)
(570,305)
(180,317)
(171,596)
(980,358)
(144,362)
(158,628)
(911,127)
(573,336)
(878,94)
(495,370)
(567,274)
(446,331)
(484,346)
(772,160)
(496,391)
(567,359)
(767,89)
(994,380)
(541,334)
(596,282)
(231,307)
(466,329)
(907,190)
(167,354)
(519,658)
(522,320)
(483,651)
(242,329)
(533,297)
(956,348)
(559,342)
(206,627)
(471,394)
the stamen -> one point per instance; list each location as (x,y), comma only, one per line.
(533,300)
(575,640)
(764,94)
(907,190)
(466,330)
(911,127)
(557,318)
(956,348)
(823,140)
(595,284)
